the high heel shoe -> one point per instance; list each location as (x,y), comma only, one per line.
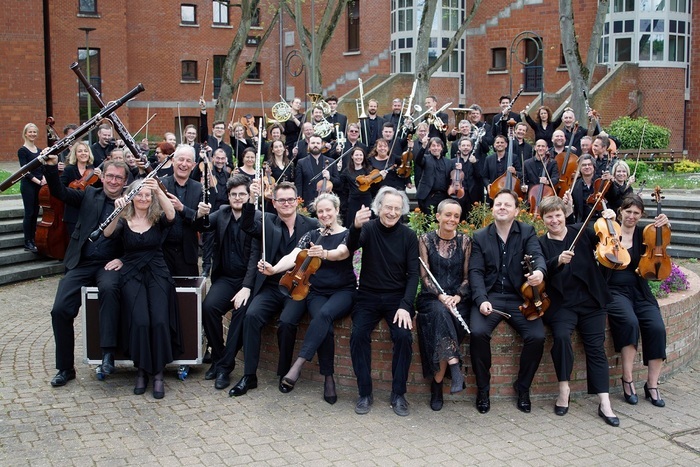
(141,383)
(158,387)
(329,394)
(658,402)
(561,411)
(612,421)
(630,398)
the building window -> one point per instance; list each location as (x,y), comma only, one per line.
(220,13)
(189,70)
(451,13)
(255,19)
(562,58)
(498,59)
(254,74)
(405,65)
(94,76)
(218,73)
(620,6)
(188,14)
(623,49)
(87,7)
(681,6)
(354,26)
(403,16)
(651,41)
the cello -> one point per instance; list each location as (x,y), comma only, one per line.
(655,264)
(50,237)
(536,298)
(536,192)
(507,181)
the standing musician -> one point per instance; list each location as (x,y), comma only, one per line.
(309,167)
(436,169)
(292,127)
(434,119)
(317,118)
(283,232)
(568,118)
(86,264)
(79,163)
(421,137)
(499,125)
(583,188)
(336,117)
(471,168)
(446,252)
(388,283)
(233,280)
(522,150)
(544,126)
(559,144)
(586,143)
(300,150)
(603,160)
(465,129)
(103,145)
(578,295)
(621,185)
(475,114)
(191,139)
(163,149)
(216,139)
(533,172)
(239,142)
(373,125)
(359,165)
(331,294)
(496,164)
(396,117)
(274,132)
(181,246)
(634,310)
(397,145)
(495,277)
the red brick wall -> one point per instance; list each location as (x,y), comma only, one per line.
(693,108)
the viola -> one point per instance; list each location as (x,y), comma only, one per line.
(609,252)
(655,264)
(536,299)
(568,165)
(324,185)
(268,182)
(405,168)
(248,122)
(295,282)
(375,176)
(507,181)
(456,188)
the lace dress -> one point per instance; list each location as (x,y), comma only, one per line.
(439,333)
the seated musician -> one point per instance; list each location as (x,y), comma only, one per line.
(388,283)
(283,232)
(578,296)
(620,186)
(495,277)
(446,252)
(233,280)
(331,293)
(87,264)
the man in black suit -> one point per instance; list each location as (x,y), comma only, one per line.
(104,144)
(308,167)
(88,263)
(475,113)
(301,148)
(495,278)
(216,139)
(282,234)
(233,280)
(435,180)
(336,117)
(396,118)
(470,166)
(372,125)
(433,130)
(181,247)
(499,125)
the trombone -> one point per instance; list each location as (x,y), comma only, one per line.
(360,105)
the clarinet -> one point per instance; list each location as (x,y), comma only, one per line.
(129,196)
(206,182)
(68,141)
(116,121)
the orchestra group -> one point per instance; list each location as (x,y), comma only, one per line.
(131,228)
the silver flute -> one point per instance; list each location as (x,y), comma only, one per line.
(452,309)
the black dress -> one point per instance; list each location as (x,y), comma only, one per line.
(439,333)
(149,303)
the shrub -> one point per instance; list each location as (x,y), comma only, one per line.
(686,166)
(629,132)
(675,282)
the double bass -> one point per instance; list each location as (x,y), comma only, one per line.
(655,264)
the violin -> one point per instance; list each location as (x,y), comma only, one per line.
(536,299)
(609,252)
(507,180)
(405,168)
(248,122)
(456,188)
(88,178)
(375,176)
(655,264)
(295,282)
(324,185)
(568,165)
(268,182)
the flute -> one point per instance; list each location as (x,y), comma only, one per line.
(452,309)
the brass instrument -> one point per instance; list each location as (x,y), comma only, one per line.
(360,103)
(340,136)
(323,128)
(281,111)
(432,116)
(317,101)
(461,113)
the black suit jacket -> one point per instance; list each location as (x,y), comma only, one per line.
(499,126)
(485,257)
(187,217)
(427,162)
(211,141)
(305,171)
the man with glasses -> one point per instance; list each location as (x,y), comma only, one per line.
(233,279)
(88,264)
(216,139)
(282,234)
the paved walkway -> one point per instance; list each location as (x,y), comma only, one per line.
(90,422)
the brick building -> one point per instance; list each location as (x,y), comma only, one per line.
(165,45)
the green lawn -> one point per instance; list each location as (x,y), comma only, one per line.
(14,189)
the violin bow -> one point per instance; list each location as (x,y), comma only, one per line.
(148,119)
(639,151)
(258,175)
(145,125)
(598,200)
(546,172)
(235,105)
(179,124)
(206,72)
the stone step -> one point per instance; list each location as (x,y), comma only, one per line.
(16,255)
(680,214)
(10,225)
(12,212)
(683,251)
(11,240)
(32,270)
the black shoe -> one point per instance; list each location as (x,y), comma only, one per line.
(62,377)
(612,421)
(108,363)
(630,398)
(523,404)
(286,385)
(207,357)
(436,400)
(211,372)
(483,403)
(141,383)
(399,404)
(364,403)
(30,246)
(658,402)
(242,386)
(158,388)
(561,411)
(329,394)
(222,380)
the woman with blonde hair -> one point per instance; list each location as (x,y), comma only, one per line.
(30,185)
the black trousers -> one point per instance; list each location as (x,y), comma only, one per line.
(630,314)
(324,310)
(67,304)
(30,200)
(590,323)
(482,326)
(175,259)
(207,250)
(216,304)
(433,199)
(368,311)
(267,303)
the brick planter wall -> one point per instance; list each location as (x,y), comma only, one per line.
(681,313)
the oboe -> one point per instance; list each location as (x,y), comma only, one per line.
(452,309)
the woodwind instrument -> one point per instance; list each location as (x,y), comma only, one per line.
(453,309)
(206,181)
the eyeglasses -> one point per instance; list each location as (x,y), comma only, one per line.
(117,178)
(286,200)
(353,131)
(238,195)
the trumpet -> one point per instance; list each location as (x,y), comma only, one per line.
(317,101)
(281,111)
